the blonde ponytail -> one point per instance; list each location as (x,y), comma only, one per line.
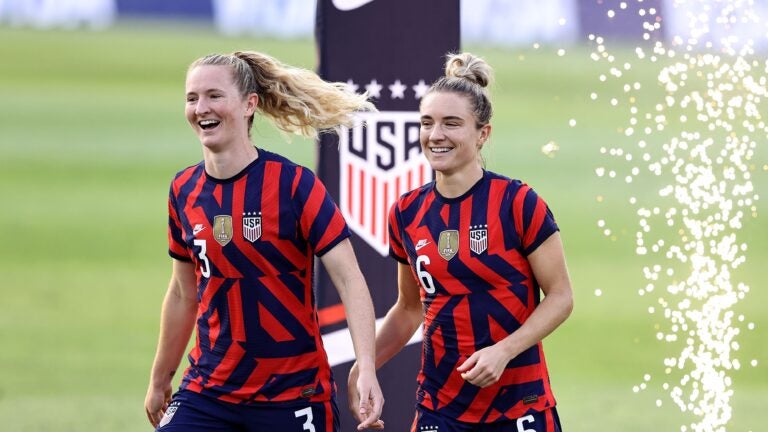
(296,100)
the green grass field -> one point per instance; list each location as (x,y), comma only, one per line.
(92,131)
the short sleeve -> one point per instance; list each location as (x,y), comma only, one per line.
(534,221)
(320,220)
(396,249)
(177,247)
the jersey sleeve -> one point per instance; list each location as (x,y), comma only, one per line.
(396,249)
(177,247)
(320,220)
(534,222)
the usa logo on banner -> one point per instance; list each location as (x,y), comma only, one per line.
(380,159)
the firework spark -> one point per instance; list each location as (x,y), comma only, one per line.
(695,142)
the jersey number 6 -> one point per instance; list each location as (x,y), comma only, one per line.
(424,277)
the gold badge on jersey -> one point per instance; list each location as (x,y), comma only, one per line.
(448,244)
(222,229)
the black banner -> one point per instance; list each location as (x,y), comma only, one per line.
(393,49)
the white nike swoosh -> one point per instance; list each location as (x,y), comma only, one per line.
(419,246)
(348,5)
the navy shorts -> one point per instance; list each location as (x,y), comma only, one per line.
(430,421)
(193,412)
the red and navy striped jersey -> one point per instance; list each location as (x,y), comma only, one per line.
(469,256)
(252,239)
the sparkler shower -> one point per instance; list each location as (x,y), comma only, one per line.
(696,143)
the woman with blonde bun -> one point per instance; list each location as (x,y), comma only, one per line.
(476,250)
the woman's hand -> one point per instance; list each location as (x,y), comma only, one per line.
(367,409)
(156,402)
(485,366)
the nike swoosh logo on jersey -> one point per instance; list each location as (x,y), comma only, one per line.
(348,5)
(421,244)
(197,229)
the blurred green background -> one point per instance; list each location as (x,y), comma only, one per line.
(92,131)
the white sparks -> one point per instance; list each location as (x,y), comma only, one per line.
(550,149)
(698,145)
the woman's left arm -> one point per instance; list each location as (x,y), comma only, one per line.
(485,366)
(349,281)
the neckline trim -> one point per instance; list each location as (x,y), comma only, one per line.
(463,196)
(259,158)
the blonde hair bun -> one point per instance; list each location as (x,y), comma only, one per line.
(470,67)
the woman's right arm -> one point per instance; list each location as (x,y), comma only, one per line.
(177,321)
(403,318)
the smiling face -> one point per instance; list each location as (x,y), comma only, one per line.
(449,135)
(215,109)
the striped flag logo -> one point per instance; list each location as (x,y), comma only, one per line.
(478,239)
(380,159)
(252,226)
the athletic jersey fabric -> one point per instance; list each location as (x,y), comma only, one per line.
(469,255)
(252,239)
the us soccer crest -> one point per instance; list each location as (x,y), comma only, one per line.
(478,238)
(168,416)
(222,229)
(252,226)
(448,244)
(379,159)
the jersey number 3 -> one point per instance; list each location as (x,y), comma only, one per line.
(205,265)
(308,426)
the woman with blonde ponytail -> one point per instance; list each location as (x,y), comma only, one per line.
(475,251)
(244,227)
